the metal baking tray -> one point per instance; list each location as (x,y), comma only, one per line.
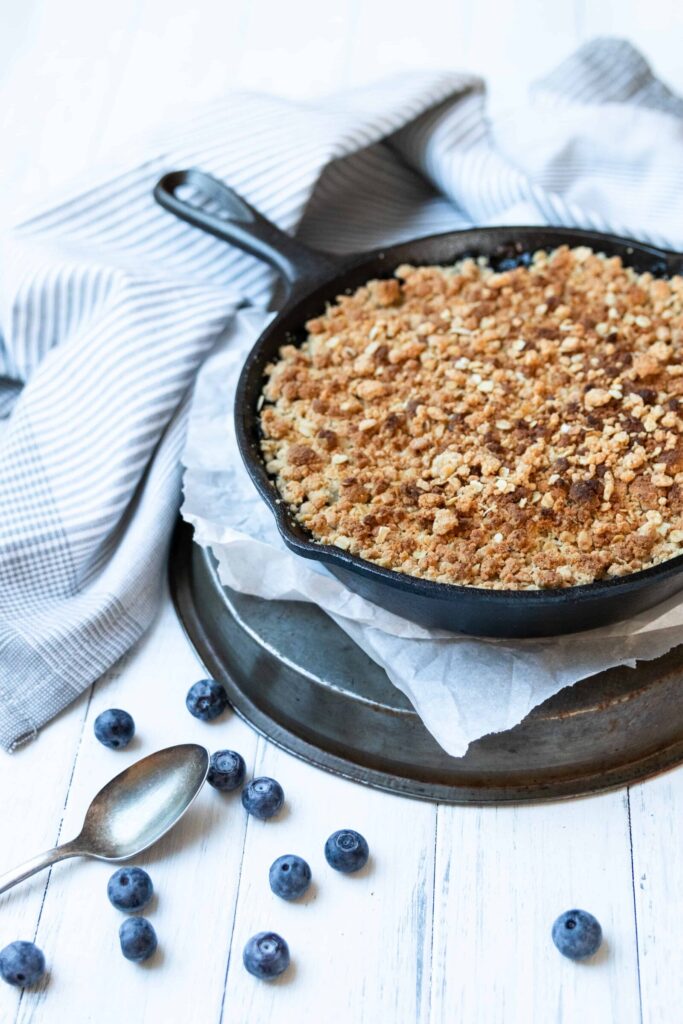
(298,679)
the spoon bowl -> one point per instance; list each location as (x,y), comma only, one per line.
(142,803)
(132,811)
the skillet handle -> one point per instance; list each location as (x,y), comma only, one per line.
(232,219)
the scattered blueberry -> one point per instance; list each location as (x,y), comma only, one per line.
(290,876)
(138,939)
(226,771)
(266,955)
(577,934)
(130,889)
(263,797)
(346,851)
(206,700)
(21,964)
(114,728)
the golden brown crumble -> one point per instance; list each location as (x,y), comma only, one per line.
(514,429)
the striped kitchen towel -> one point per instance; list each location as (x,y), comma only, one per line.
(108,306)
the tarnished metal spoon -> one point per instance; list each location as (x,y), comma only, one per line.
(132,811)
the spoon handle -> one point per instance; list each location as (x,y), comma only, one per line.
(43,860)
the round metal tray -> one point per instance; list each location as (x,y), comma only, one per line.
(299,680)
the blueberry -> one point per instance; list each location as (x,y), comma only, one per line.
(577,934)
(227,770)
(138,939)
(21,964)
(346,851)
(266,955)
(263,797)
(290,876)
(206,700)
(114,728)
(130,889)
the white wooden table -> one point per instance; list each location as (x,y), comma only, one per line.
(452,921)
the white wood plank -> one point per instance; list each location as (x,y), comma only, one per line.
(360,944)
(656,814)
(184,55)
(297,49)
(179,56)
(55,92)
(508,46)
(195,868)
(391,39)
(34,783)
(502,877)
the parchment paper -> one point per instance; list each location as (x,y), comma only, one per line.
(461,687)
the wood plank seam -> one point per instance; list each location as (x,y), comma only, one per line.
(431,938)
(634,897)
(258,753)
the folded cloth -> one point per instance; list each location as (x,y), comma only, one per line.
(108,307)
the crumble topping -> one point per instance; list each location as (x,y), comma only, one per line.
(504,429)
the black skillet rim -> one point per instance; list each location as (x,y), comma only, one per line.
(507,241)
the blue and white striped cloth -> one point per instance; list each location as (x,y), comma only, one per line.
(108,306)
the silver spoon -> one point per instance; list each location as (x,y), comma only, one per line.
(132,811)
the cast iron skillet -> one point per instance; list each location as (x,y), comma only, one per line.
(312,280)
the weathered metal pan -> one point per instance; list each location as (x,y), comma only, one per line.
(329,704)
